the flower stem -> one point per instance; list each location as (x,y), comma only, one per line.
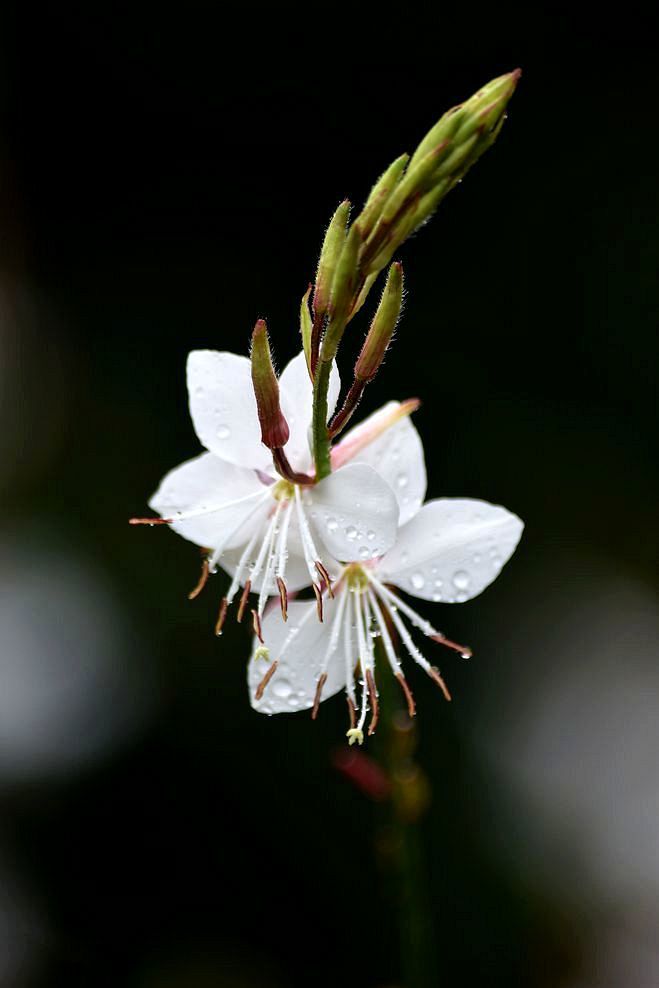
(320,435)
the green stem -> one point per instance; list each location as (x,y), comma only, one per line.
(320,435)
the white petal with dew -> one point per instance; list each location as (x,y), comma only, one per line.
(293,685)
(355,513)
(223,408)
(397,455)
(204,483)
(452,549)
(296,398)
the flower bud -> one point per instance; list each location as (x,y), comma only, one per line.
(306,328)
(383,325)
(380,193)
(344,287)
(329,258)
(274,427)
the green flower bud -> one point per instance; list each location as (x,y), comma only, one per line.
(306,328)
(343,292)
(382,328)
(329,258)
(274,427)
(380,194)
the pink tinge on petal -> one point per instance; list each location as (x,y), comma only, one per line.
(364,434)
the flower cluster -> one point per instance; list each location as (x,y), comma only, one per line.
(319,538)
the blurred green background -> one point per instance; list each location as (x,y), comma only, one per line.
(164,181)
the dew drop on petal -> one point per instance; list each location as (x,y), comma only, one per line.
(223,432)
(439,583)
(364,552)
(461,579)
(351,532)
(402,480)
(417,580)
(282,689)
(370,535)
(332,524)
(461,597)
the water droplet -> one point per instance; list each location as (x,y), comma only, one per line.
(332,524)
(402,480)
(364,552)
(199,390)
(496,562)
(439,583)
(370,535)
(417,580)
(461,597)
(437,597)
(351,532)
(404,556)
(282,688)
(461,579)
(223,432)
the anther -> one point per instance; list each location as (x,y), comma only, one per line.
(326,577)
(150,521)
(221,616)
(434,673)
(243,601)
(355,734)
(283,598)
(260,689)
(375,708)
(352,712)
(319,600)
(411,705)
(202,580)
(464,650)
(319,689)
(256,624)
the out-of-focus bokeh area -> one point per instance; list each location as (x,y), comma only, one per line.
(164,182)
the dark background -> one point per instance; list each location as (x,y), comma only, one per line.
(164,182)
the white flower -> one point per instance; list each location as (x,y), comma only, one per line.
(270,534)
(449,551)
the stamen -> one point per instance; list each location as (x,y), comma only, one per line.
(205,510)
(256,624)
(263,496)
(150,521)
(242,563)
(202,580)
(243,601)
(322,679)
(319,600)
(326,577)
(221,616)
(434,673)
(283,598)
(308,547)
(350,667)
(352,710)
(270,560)
(464,650)
(411,705)
(419,622)
(283,541)
(260,689)
(394,662)
(355,734)
(375,708)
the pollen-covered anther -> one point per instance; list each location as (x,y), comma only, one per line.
(243,600)
(203,577)
(283,597)
(262,652)
(150,521)
(322,679)
(221,617)
(355,734)
(319,600)
(256,624)
(325,578)
(373,696)
(411,705)
(435,674)
(352,712)
(260,689)
(463,650)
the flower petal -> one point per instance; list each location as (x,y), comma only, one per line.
(296,398)
(355,513)
(203,483)
(223,408)
(397,455)
(452,549)
(293,685)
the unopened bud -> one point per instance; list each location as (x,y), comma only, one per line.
(383,325)
(344,288)
(329,258)
(274,427)
(380,193)
(306,328)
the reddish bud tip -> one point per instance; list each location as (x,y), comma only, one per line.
(274,427)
